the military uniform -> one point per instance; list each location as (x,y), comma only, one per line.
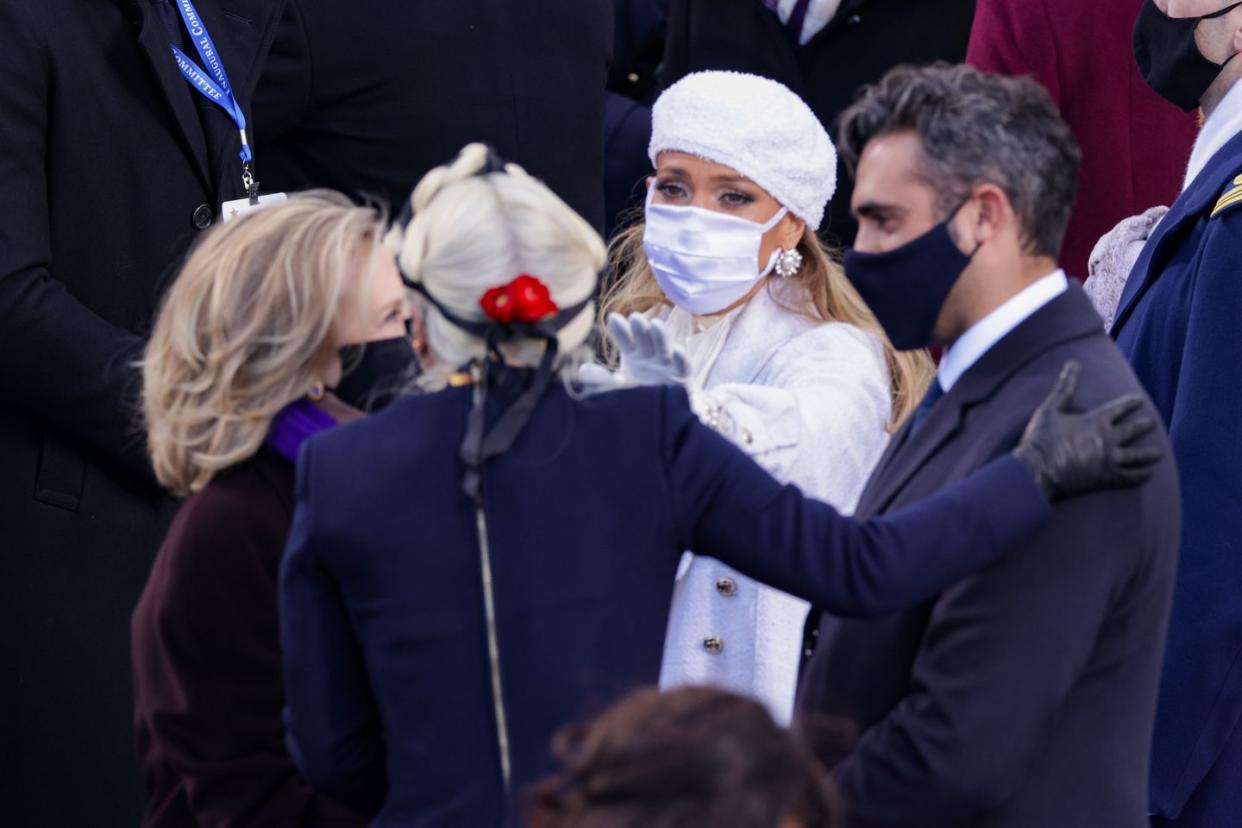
(1178,324)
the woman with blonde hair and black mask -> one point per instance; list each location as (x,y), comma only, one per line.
(785,358)
(476,566)
(244,365)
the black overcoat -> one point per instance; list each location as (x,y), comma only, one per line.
(367,96)
(109,168)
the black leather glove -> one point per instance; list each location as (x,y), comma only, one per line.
(1071,454)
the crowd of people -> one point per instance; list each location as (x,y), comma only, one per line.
(588,414)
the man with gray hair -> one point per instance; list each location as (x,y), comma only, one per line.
(1024,695)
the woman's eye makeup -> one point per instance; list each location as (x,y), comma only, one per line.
(729,198)
(736,198)
(671,189)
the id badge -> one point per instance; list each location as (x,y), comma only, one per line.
(239,207)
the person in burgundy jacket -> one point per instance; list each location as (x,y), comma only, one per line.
(1134,145)
(206,652)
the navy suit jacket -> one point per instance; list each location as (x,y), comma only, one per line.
(1178,324)
(1024,695)
(388,666)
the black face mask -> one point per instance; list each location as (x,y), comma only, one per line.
(1170,60)
(376,373)
(906,288)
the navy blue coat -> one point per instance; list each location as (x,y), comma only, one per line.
(387,659)
(1178,325)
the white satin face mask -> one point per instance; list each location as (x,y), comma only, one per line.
(704,261)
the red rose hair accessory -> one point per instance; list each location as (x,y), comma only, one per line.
(522,310)
(525,299)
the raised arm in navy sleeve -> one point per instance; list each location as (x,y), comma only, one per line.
(733,510)
(334,733)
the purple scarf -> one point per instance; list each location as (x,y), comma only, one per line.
(296,423)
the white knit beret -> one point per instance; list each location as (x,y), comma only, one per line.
(756,126)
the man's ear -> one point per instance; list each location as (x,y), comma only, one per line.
(993,214)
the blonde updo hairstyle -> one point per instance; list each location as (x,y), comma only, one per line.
(470,233)
(246,329)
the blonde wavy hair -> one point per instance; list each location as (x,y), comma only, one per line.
(246,329)
(831,299)
(470,233)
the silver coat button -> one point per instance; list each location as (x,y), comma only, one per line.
(727,587)
(713,645)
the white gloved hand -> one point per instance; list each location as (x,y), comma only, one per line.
(647,355)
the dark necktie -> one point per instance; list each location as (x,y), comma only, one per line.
(934,393)
(796,18)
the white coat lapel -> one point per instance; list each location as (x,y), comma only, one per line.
(758,332)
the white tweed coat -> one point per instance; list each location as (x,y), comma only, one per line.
(809,401)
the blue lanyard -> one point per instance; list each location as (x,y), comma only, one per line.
(215,86)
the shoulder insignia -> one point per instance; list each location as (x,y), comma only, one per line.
(1231,198)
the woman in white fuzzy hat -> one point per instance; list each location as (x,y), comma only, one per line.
(787,360)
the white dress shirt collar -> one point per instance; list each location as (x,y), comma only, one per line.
(989,330)
(1224,123)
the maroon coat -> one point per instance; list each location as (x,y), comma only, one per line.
(208,685)
(1135,145)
